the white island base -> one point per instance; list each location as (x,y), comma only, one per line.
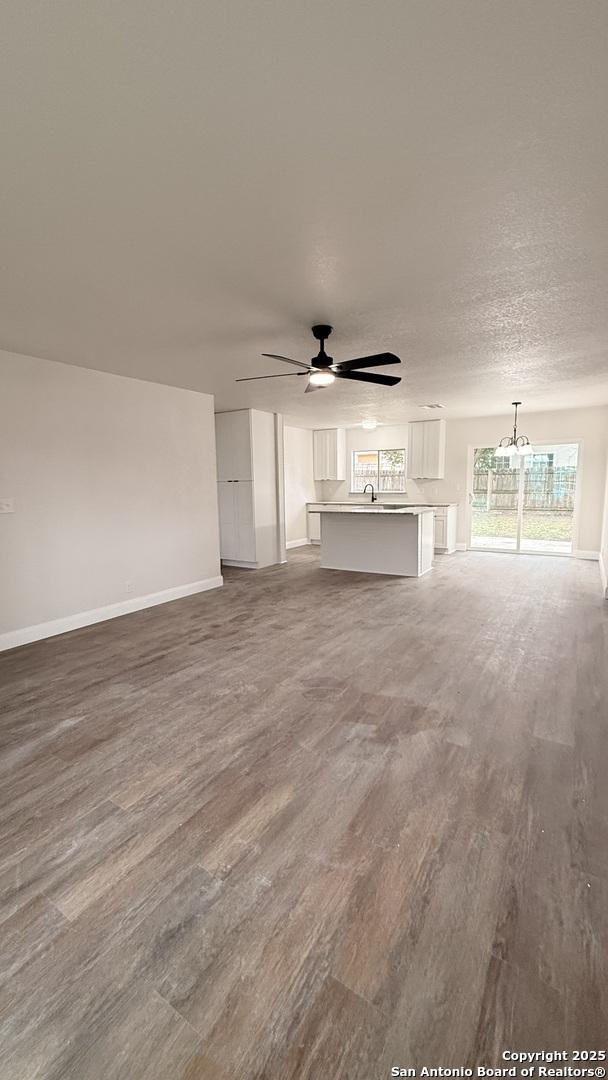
(378,541)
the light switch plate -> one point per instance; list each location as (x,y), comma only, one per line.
(7,506)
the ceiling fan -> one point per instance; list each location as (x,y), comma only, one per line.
(322,371)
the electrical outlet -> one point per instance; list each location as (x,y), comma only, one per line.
(7,506)
(129,588)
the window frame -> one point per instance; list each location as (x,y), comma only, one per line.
(377,451)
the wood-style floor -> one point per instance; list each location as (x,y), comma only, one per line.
(312,825)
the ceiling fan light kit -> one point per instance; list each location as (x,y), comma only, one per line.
(322,378)
(323,372)
(514,446)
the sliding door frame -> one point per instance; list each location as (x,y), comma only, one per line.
(575,553)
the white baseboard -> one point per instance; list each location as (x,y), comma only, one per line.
(592,555)
(604,574)
(297,543)
(461,547)
(40,631)
(252,565)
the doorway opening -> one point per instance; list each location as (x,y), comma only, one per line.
(526,504)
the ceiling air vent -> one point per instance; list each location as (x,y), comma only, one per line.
(433,405)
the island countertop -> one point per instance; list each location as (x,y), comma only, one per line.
(381,502)
(339,509)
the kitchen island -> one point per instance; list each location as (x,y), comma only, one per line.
(376,539)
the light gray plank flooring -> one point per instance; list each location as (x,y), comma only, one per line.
(313,824)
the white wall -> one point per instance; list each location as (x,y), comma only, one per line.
(299,484)
(565,425)
(114,483)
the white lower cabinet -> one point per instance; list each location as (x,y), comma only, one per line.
(445,529)
(227,516)
(236,514)
(313,519)
(314,526)
(440,531)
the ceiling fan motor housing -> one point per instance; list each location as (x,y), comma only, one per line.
(321,332)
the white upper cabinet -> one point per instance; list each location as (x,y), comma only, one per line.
(329,454)
(234,445)
(426,450)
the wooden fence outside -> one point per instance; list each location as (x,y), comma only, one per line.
(546,487)
(387,481)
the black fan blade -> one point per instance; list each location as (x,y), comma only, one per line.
(283,375)
(363,376)
(367,361)
(285,360)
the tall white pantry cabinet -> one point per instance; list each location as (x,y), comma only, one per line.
(250,499)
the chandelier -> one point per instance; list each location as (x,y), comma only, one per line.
(514,445)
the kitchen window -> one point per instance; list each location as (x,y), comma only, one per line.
(385,469)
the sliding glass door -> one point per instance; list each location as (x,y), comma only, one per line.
(549,487)
(527,504)
(494,517)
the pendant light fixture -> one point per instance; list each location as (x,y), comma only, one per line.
(514,446)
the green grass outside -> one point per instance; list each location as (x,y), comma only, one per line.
(546,525)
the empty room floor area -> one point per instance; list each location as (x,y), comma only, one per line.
(312,824)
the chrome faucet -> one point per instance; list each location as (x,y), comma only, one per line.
(374,496)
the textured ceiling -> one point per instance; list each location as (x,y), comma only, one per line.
(187,185)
